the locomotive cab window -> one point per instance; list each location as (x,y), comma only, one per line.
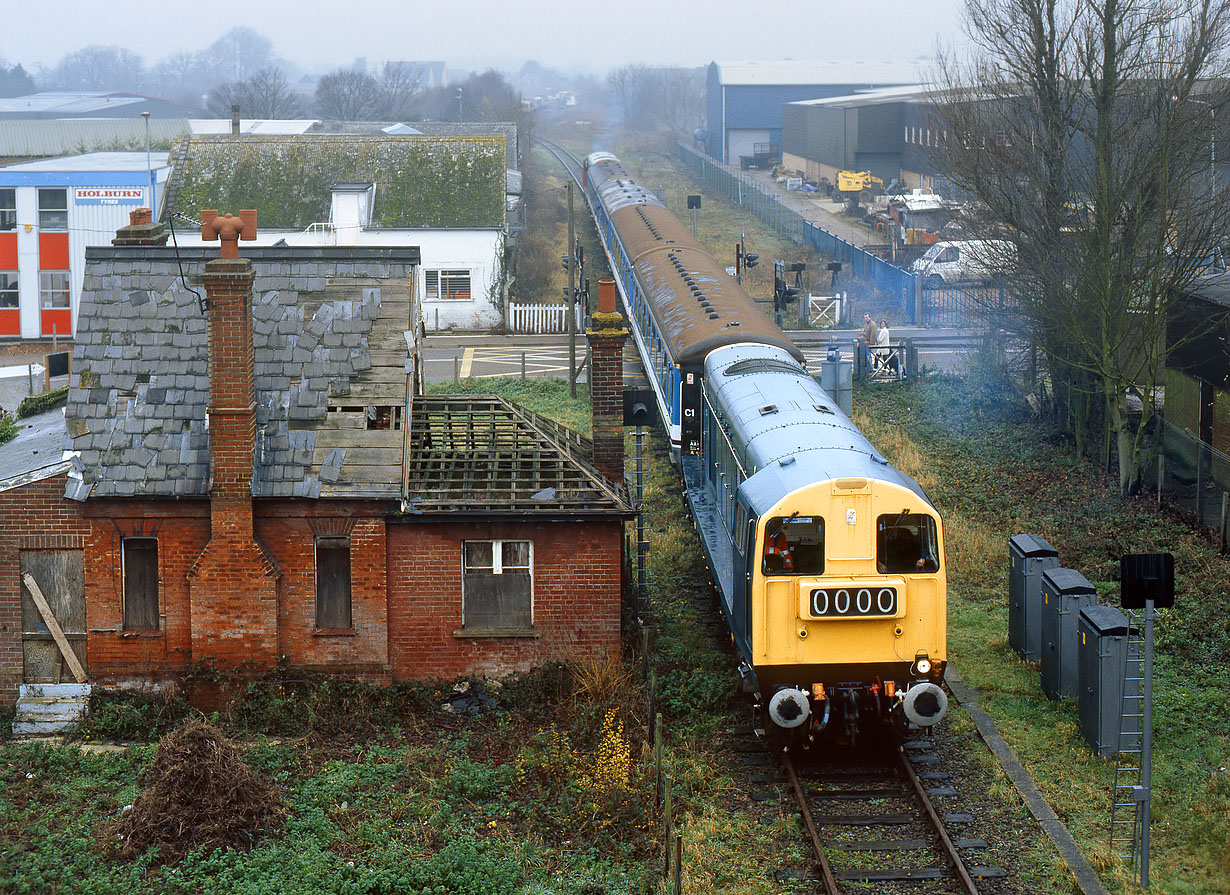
(793,545)
(907,542)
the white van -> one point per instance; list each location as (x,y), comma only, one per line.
(946,263)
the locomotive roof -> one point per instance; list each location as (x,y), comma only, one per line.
(698,306)
(789,431)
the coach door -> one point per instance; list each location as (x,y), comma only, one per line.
(60,578)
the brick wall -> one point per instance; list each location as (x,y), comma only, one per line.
(576,593)
(32,517)
(225,631)
(182,530)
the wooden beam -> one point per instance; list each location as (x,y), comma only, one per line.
(49,619)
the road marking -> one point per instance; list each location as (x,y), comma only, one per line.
(466,361)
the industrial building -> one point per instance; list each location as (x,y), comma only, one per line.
(744,100)
(50,210)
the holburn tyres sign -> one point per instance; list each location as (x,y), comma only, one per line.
(108,195)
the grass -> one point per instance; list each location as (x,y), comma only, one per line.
(994,471)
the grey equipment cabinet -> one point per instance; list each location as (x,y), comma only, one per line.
(1028,557)
(1102,634)
(1065,592)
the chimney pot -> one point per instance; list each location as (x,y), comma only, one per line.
(606,296)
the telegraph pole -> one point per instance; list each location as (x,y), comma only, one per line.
(571,296)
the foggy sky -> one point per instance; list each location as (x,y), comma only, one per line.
(477,34)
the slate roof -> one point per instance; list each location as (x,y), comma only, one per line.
(140,384)
(36,452)
(421,181)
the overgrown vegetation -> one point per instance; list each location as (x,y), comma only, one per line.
(35,404)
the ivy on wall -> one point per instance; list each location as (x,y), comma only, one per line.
(420,181)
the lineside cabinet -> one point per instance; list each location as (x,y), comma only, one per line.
(1028,557)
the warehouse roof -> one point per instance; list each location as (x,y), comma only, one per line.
(801,72)
(38,138)
(92,161)
(880,96)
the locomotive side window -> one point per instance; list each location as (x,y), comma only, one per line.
(793,545)
(906,542)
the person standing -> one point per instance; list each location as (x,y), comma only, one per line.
(870,333)
(883,349)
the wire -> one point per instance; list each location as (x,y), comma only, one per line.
(201,303)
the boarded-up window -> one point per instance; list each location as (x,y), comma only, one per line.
(497,592)
(140,584)
(332,582)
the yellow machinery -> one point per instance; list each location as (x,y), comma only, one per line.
(856,181)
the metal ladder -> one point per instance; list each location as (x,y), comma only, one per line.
(1126,794)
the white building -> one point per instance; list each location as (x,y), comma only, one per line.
(445,194)
(50,210)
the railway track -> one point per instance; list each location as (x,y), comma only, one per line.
(871,820)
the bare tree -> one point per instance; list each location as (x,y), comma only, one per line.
(1083,130)
(266,94)
(400,84)
(240,53)
(347,95)
(97,68)
(669,98)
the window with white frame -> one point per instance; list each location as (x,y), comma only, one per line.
(53,209)
(8,209)
(497,586)
(447,285)
(53,289)
(9,295)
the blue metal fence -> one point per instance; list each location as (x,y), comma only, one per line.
(948,306)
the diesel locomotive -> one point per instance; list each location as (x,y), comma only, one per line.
(828,560)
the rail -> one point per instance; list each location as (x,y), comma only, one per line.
(902,772)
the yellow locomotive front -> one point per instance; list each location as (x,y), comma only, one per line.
(847,608)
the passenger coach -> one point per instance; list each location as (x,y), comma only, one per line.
(682,302)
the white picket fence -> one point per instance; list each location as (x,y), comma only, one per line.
(535,319)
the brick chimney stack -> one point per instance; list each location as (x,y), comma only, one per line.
(606,342)
(233,583)
(140,230)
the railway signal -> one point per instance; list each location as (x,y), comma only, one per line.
(743,259)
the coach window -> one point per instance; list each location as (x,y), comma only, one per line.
(8,209)
(9,296)
(333,583)
(907,542)
(497,587)
(793,545)
(53,209)
(140,570)
(447,285)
